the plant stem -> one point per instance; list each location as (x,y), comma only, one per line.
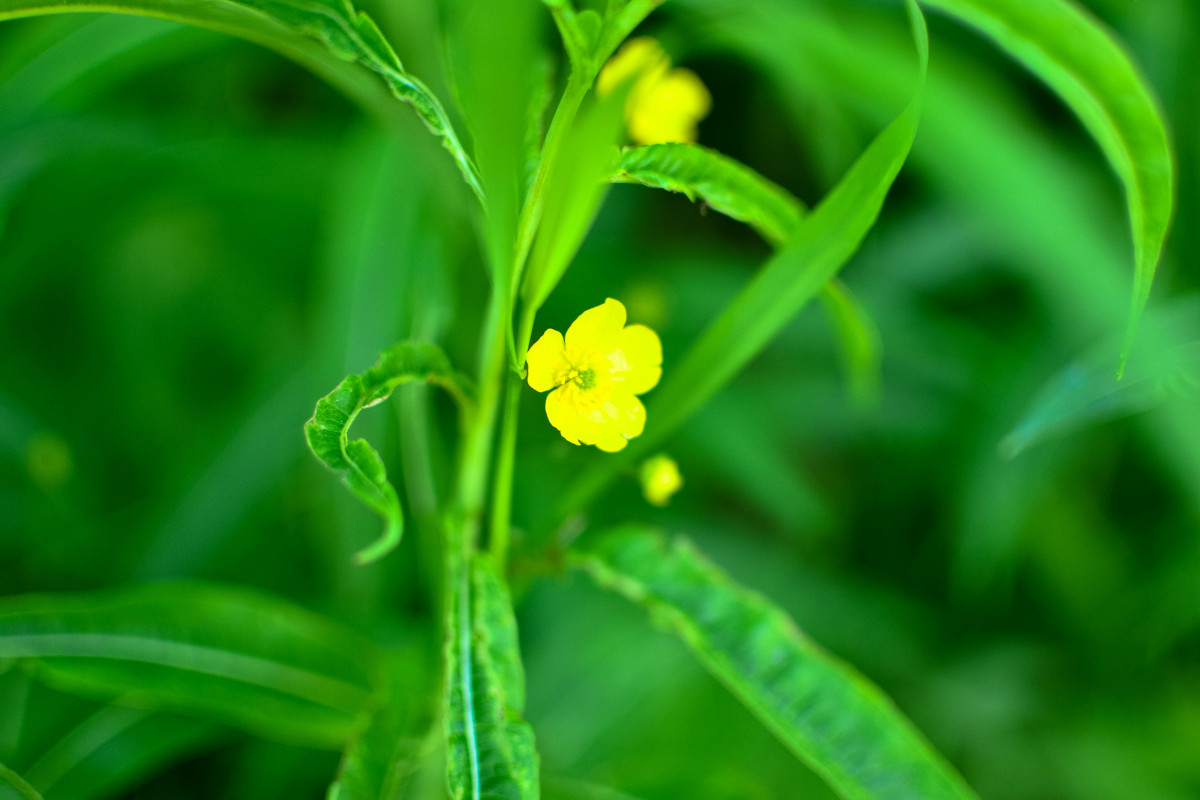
(503,482)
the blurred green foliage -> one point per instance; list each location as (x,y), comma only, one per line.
(198,238)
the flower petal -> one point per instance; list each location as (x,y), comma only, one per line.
(564,414)
(545,361)
(642,353)
(597,328)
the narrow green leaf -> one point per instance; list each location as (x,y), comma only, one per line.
(724,184)
(491,751)
(1067,48)
(342,36)
(735,190)
(574,194)
(832,718)
(18,783)
(360,467)
(217,653)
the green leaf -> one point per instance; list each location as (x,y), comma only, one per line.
(19,784)
(381,759)
(327,36)
(735,190)
(574,193)
(217,653)
(832,718)
(360,467)
(1067,48)
(115,749)
(858,338)
(491,750)
(724,184)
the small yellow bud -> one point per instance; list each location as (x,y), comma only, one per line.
(664,104)
(660,479)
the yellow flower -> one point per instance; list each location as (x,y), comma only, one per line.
(594,376)
(660,479)
(664,104)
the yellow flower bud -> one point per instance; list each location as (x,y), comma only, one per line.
(660,479)
(664,104)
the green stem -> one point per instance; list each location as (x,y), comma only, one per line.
(477,444)
(505,458)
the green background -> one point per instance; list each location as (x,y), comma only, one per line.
(198,239)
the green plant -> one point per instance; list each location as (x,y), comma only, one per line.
(255,663)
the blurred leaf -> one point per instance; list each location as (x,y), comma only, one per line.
(1165,365)
(862,350)
(224,654)
(346,35)
(360,467)
(829,716)
(491,749)
(494,59)
(723,183)
(18,784)
(114,750)
(1068,49)
(381,760)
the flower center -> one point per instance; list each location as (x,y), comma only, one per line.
(584,378)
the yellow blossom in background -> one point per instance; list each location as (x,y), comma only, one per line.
(594,376)
(660,479)
(664,104)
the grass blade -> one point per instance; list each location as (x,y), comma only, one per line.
(832,718)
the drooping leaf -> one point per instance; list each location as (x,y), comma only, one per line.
(359,466)
(491,751)
(832,718)
(735,190)
(115,749)
(1067,48)
(216,653)
(725,184)
(329,36)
